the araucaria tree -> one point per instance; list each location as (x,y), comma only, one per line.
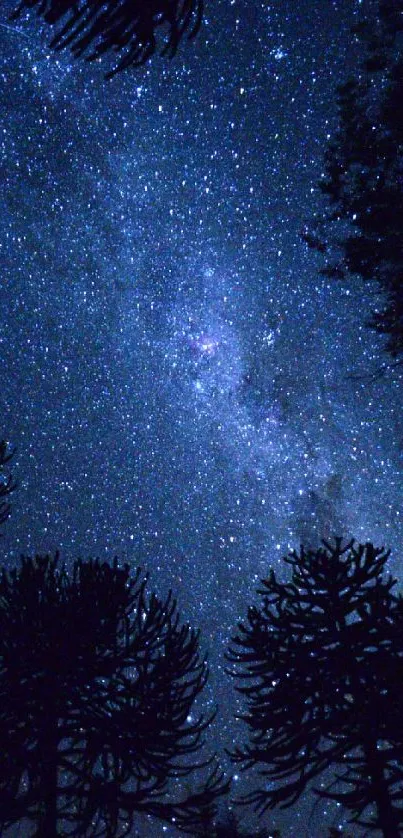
(94,27)
(320,665)
(361,230)
(97,686)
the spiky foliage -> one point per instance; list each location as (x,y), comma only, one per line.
(362,228)
(320,665)
(97,683)
(7,484)
(94,27)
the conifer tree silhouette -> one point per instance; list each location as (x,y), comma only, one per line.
(361,230)
(97,685)
(320,665)
(95,27)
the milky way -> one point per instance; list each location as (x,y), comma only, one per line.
(182,388)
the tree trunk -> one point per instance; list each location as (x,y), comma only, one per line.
(47,827)
(388,818)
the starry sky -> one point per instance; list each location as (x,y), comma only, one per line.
(183,389)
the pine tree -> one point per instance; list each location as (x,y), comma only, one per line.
(93,28)
(361,230)
(97,685)
(320,668)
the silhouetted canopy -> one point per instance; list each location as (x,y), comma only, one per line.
(361,230)
(95,27)
(320,666)
(97,685)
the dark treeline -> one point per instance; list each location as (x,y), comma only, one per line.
(99,680)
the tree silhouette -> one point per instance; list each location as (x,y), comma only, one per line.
(97,685)
(93,27)
(7,484)
(320,666)
(362,229)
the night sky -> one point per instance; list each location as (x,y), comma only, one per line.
(182,387)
